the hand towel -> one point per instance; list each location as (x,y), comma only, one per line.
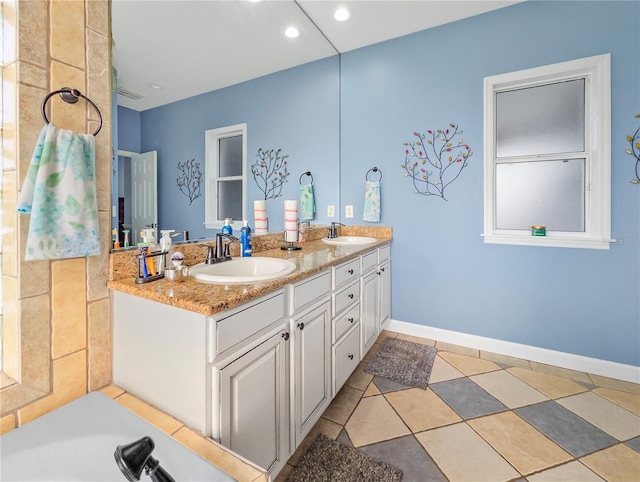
(307,203)
(60,193)
(371,212)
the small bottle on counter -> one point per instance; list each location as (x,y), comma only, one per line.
(245,240)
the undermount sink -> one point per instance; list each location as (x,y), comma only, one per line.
(349,240)
(242,270)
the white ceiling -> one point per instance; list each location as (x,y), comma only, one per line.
(189,47)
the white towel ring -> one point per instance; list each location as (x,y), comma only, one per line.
(374,169)
(70,96)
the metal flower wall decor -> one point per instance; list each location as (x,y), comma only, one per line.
(270,172)
(189,179)
(634,141)
(435,159)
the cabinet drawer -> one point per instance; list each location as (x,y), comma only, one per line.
(369,261)
(309,290)
(344,322)
(345,297)
(346,357)
(384,253)
(346,272)
(249,321)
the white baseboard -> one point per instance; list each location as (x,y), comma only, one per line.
(619,371)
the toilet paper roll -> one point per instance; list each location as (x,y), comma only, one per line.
(260,222)
(291,221)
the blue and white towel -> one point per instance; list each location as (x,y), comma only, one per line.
(60,193)
(307,203)
(371,212)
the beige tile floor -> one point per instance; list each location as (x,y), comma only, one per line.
(544,423)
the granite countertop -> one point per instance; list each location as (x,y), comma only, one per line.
(209,299)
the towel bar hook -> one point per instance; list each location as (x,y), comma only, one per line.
(308,173)
(374,169)
(70,96)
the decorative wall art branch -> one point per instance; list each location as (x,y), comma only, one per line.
(189,179)
(634,141)
(436,162)
(270,172)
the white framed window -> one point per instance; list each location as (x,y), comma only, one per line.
(547,155)
(225,180)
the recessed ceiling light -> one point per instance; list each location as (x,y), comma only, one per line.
(341,14)
(292,32)
(155,86)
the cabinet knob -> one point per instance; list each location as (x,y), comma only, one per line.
(351,357)
(285,336)
(351,320)
(350,271)
(381,269)
(300,325)
(350,295)
(378,273)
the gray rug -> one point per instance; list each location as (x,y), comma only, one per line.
(403,361)
(330,461)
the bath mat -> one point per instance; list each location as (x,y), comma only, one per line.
(330,461)
(404,362)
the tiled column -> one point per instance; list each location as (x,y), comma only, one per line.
(56,313)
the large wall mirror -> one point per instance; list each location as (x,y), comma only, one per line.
(290,106)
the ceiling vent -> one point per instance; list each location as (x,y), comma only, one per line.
(129,94)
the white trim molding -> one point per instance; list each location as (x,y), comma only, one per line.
(595,366)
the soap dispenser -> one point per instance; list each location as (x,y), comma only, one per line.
(226,228)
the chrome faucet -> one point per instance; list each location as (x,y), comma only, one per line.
(333,230)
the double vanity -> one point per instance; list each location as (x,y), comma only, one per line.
(254,365)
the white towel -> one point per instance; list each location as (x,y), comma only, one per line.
(291,221)
(59,192)
(260,221)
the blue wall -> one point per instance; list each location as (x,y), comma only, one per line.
(129,130)
(296,110)
(578,301)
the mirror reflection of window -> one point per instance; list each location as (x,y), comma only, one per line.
(225,185)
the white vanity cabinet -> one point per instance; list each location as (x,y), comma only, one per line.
(346,322)
(310,327)
(251,378)
(376,294)
(254,405)
(257,377)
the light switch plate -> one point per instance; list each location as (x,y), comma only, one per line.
(331,211)
(348,211)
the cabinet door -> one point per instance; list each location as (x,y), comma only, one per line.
(384,294)
(369,314)
(311,368)
(253,404)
